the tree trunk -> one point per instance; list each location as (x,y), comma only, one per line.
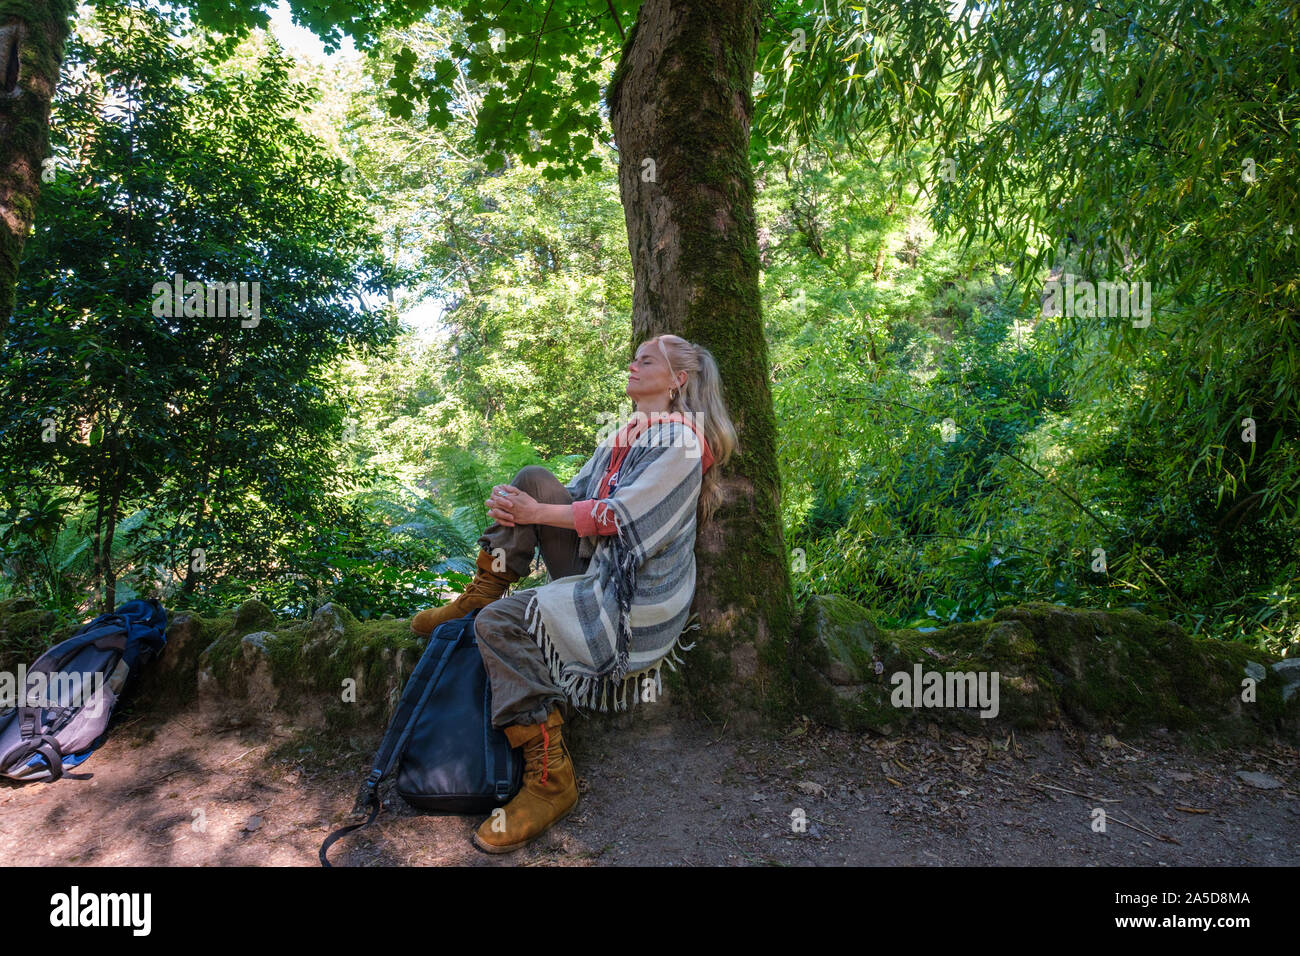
(680,104)
(32,35)
(205,477)
(110,532)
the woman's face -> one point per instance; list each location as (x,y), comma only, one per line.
(648,378)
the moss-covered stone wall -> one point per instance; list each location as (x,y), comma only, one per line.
(1115,670)
(1099,670)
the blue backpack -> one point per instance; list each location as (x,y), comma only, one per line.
(64,705)
(449,757)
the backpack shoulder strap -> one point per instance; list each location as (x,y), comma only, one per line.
(45,745)
(419,686)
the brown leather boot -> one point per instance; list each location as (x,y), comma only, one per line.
(487,586)
(549,793)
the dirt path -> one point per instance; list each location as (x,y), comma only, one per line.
(183,791)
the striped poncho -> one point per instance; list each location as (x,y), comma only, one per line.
(603,631)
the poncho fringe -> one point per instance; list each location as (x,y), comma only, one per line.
(600,692)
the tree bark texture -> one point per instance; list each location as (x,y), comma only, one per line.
(32,36)
(681,105)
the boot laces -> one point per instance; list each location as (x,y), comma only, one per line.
(546,743)
(484,586)
(480,588)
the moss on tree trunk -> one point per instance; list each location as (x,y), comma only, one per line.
(32,36)
(680,104)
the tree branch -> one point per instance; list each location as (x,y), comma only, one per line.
(614,13)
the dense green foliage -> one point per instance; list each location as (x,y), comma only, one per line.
(210,431)
(1139,143)
(889,334)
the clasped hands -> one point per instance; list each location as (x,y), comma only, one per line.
(509,506)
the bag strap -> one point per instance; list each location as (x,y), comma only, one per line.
(399,732)
(45,745)
(338,834)
(390,750)
(498,763)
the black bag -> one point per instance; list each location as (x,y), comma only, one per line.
(450,758)
(70,693)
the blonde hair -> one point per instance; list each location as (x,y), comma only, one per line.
(702,397)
